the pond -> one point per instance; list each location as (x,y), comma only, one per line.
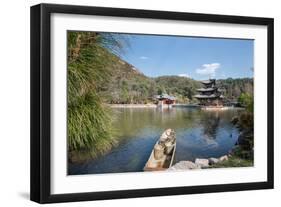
(199,134)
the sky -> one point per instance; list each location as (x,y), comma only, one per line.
(193,57)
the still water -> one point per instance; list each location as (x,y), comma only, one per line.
(199,134)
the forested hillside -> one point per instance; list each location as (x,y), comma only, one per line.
(128,85)
(182,88)
(233,88)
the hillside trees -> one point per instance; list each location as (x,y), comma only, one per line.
(233,88)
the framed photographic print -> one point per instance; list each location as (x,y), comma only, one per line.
(132,103)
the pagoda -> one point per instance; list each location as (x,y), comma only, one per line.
(210,94)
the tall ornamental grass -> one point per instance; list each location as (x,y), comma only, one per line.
(89,68)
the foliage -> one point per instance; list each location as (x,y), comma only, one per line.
(181,87)
(247,100)
(89,67)
(245,142)
(127,85)
(233,88)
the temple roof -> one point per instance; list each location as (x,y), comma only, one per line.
(208,81)
(165,96)
(206,89)
(206,96)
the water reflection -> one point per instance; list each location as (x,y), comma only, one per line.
(199,134)
(210,124)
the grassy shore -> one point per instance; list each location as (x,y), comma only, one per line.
(132,105)
(234,161)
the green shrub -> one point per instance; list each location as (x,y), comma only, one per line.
(247,100)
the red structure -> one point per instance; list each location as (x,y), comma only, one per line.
(165,99)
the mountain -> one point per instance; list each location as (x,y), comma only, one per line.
(128,85)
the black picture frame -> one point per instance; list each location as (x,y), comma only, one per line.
(41,98)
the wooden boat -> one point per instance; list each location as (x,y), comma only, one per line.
(155,163)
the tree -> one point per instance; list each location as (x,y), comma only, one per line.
(247,100)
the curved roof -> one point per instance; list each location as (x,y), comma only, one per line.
(165,96)
(208,81)
(207,96)
(206,89)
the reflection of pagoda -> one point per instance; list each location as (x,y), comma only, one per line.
(210,124)
(209,95)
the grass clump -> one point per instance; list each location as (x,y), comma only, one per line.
(89,65)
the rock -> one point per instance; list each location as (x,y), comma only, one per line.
(213,160)
(223,158)
(203,163)
(184,165)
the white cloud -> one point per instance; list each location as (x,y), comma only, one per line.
(208,69)
(143,58)
(184,75)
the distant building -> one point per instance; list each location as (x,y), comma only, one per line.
(165,99)
(210,94)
